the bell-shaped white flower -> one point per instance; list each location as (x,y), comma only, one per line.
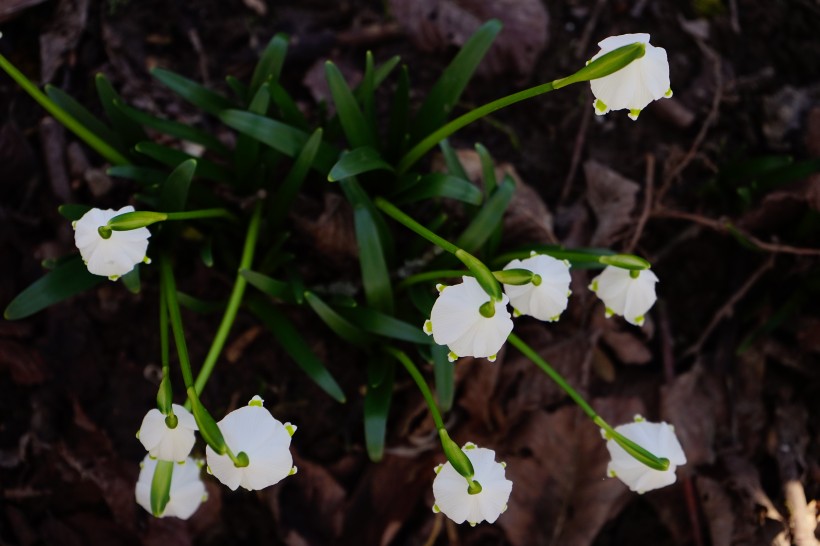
(450,489)
(546,297)
(115,256)
(634,86)
(457,321)
(187,489)
(657,438)
(266,442)
(627,293)
(164,443)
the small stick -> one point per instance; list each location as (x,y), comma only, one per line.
(647,204)
(580,137)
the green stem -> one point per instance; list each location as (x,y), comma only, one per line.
(165,393)
(431,276)
(420,383)
(170,290)
(95,142)
(202,213)
(234,301)
(396,214)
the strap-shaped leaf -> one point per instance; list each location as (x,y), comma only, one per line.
(198,305)
(174,192)
(290,112)
(126,128)
(239,89)
(447,90)
(72,211)
(358,161)
(247,148)
(377,404)
(143,175)
(336,322)
(270,286)
(172,158)
(355,126)
(196,94)
(384,70)
(294,179)
(378,289)
(452,161)
(270,62)
(488,218)
(68,278)
(385,325)
(279,136)
(83,116)
(444,375)
(294,344)
(359,198)
(366,93)
(441,185)
(487,169)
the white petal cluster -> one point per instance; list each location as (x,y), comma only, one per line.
(112,257)
(455,502)
(625,295)
(456,321)
(187,489)
(266,442)
(547,300)
(657,438)
(168,444)
(633,87)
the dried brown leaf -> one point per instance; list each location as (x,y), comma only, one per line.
(331,229)
(612,198)
(622,339)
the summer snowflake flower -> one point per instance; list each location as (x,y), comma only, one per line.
(633,87)
(266,442)
(657,438)
(627,293)
(187,489)
(456,321)
(115,256)
(168,444)
(453,499)
(547,299)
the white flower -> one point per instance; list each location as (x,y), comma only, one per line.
(453,499)
(457,322)
(548,299)
(266,442)
(168,444)
(625,295)
(657,438)
(115,256)
(637,84)
(187,489)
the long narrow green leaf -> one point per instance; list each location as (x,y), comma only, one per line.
(126,128)
(452,161)
(196,94)
(288,109)
(270,62)
(143,175)
(67,279)
(384,70)
(174,192)
(294,179)
(358,131)
(447,90)
(198,305)
(279,136)
(377,404)
(172,158)
(488,218)
(440,185)
(378,289)
(366,91)
(247,148)
(82,115)
(358,161)
(359,198)
(385,325)
(487,169)
(270,286)
(239,89)
(294,344)
(340,325)
(444,375)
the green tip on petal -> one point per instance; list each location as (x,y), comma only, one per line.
(452,357)
(634,113)
(290,428)
(438,468)
(516,312)
(639,320)
(256,401)
(440,287)
(612,474)
(472,523)
(668,93)
(600,107)
(639,418)
(428,327)
(114,278)
(436,509)
(468,446)
(146,260)
(608,312)
(74,225)
(503,464)
(555,318)
(138,435)
(594,286)
(293,471)
(492,358)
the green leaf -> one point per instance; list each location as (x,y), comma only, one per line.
(359,198)
(384,70)
(131,280)
(279,136)
(444,375)
(198,305)
(354,124)
(247,148)
(161,486)
(488,218)
(67,279)
(143,175)
(72,212)
(366,91)
(289,110)
(385,325)
(294,179)
(239,89)
(294,344)
(199,96)
(181,131)
(487,169)
(452,161)
(270,286)
(378,289)
(270,62)
(83,116)
(358,161)
(128,130)
(174,192)
(377,404)
(445,93)
(340,325)
(172,158)
(441,185)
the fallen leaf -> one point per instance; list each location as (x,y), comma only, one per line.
(628,347)
(612,198)
(331,229)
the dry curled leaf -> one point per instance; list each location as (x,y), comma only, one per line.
(612,198)
(436,25)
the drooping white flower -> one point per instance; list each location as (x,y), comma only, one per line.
(454,500)
(168,444)
(633,87)
(627,293)
(187,489)
(546,300)
(115,256)
(266,442)
(657,438)
(456,321)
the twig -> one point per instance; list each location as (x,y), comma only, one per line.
(438,524)
(802,519)
(723,226)
(580,138)
(692,508)
(647,204)
(728,308)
